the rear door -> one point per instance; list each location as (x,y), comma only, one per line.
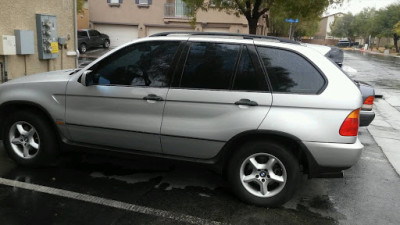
(218,92)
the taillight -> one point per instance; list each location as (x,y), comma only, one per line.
(350,124)
(368,103)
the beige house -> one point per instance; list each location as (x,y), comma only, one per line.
(20,15)
(325,26)
(127,20)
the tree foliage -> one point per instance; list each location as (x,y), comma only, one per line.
(381,23)
(254,9)
(396,28)
(79,6)
(308,12)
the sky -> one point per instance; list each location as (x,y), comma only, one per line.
(356,6)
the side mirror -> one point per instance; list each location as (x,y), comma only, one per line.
(86,78)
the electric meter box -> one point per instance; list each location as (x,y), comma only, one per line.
(47,39)
(25,42)
(7,45)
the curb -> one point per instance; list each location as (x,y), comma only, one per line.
(371,52)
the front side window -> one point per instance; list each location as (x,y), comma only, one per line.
(290,72)
(143,64)
(92,33)
(210,65)
(82,34)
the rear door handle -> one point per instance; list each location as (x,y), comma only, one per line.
(248,102)
(153,97)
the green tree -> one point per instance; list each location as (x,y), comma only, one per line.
(79,6)
(309,18)
(344,27)
(385,21)
(254,9)
(396,28)
(362,23)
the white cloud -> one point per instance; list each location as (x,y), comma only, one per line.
(356,6)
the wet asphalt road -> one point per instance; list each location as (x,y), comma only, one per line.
(368,194)
(381,71)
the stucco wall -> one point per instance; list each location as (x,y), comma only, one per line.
(20,14)
(128,13)
(83,19)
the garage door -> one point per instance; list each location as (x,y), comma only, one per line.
(155,30)
(119,34)
(215,29)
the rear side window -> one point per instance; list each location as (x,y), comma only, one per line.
(290,72)
(247,78)
(210,65)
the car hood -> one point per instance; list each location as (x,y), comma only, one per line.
(54,76)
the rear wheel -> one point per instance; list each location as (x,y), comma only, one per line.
(29,139)
(263,173)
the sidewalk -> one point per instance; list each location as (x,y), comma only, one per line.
(386,126)
(373,52)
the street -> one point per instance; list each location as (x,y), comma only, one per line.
(99,189)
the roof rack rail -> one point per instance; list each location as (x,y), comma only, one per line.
(244,36)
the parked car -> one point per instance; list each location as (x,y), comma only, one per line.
(88,38)
(367,90)
(263,110)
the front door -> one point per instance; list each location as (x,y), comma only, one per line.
(122,104)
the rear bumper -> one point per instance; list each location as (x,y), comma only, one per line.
(329,159)
(366,117)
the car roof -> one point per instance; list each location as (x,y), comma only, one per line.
(222,35)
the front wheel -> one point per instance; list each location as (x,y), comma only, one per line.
(263,173)
(82,48)
(29,139)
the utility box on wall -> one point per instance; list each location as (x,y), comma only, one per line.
(25,42)
(7,45)
(46,26)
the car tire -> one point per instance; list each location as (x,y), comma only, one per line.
(82,48)
(29,139)
(106,44)
(263,173)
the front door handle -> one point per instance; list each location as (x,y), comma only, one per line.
(153,97)
(248,102)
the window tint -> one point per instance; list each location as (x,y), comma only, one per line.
(82,34)
(92,33)
(247,79)
(290,72)
(210,65)
(143,64)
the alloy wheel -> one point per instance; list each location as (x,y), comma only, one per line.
(24,140)
(263,175)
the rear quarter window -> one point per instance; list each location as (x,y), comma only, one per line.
(290,72)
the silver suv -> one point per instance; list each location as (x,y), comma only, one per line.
(263,109)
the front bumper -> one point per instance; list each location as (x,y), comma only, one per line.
(331,158)
(366,117)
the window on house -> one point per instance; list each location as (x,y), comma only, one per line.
(114,1)
(143,2)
